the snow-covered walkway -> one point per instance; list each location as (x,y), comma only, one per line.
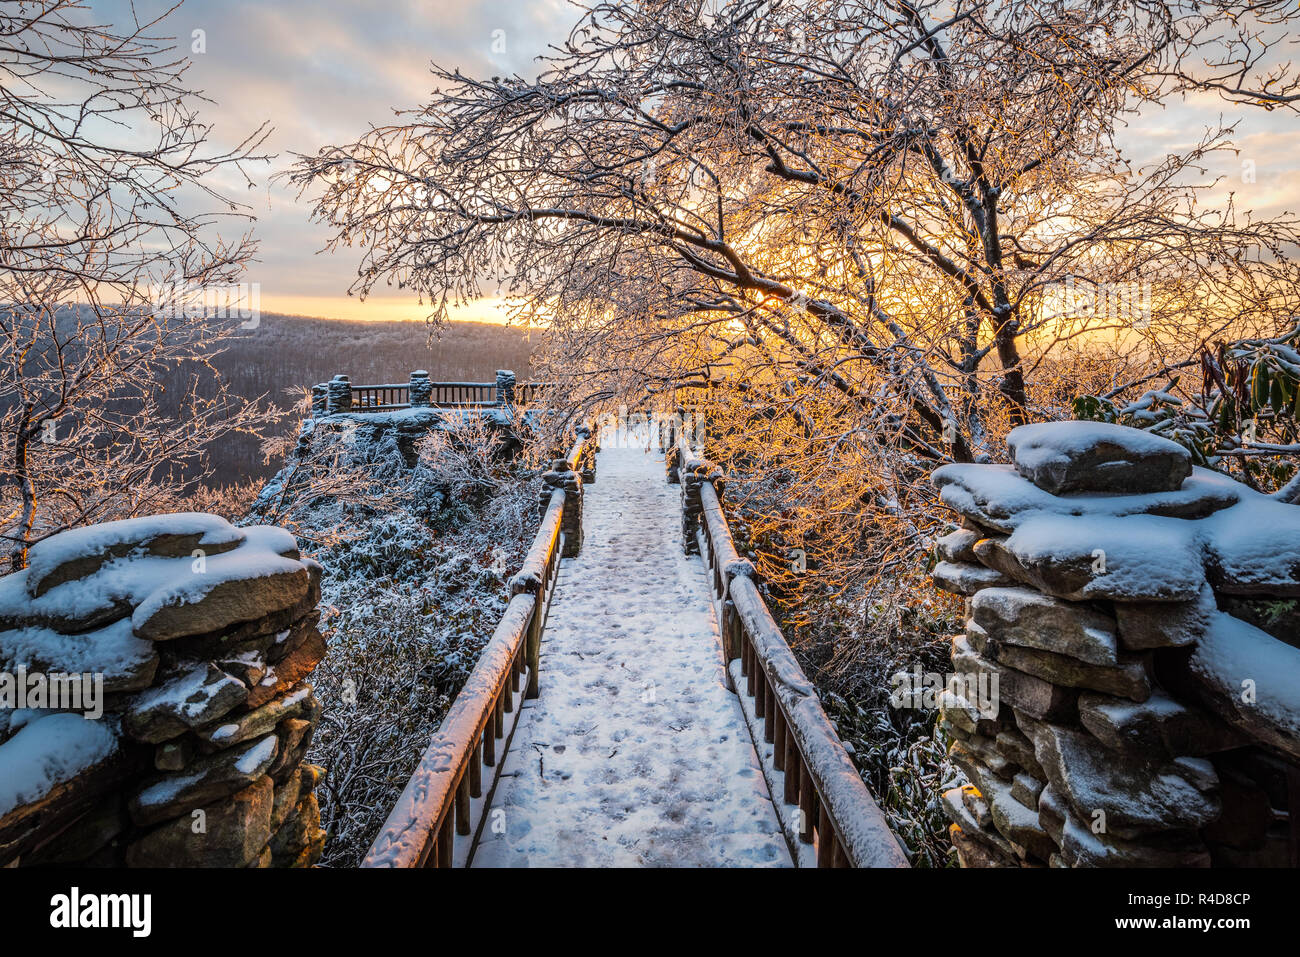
(635,754)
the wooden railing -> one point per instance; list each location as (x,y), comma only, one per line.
(821,800)
(341,395)
(378,398)
(528,393)
(446,798)
(444,395)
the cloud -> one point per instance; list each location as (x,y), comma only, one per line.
(321,72)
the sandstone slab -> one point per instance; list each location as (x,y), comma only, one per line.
(1082,847)
(1024,692)
(961,578)
(226,595)
(1135,559)
(978,752)
(1127,796)
(974,853)
(1064,457)
(1026,788)
(189,699)
(1021,616)
(1248,678)
(229,833)
(296,703)
(959,713)
(80,552)
(1146,625)
(1014,821)
(1128,678)
(978,807)
(125,662)
(290,670)
(958,546)
(296,835)
(204,782)
(295,738)
(1159,726)
(990,840)
(996,499)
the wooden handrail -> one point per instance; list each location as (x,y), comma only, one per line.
(820,788)
(537,577)
(445,798)
(434,807)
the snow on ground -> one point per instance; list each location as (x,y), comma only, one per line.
(635,754)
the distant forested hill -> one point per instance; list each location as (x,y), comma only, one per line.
(287,351)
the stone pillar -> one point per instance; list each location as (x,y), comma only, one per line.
(339,395)
(690,479)
(505,387)
(1100,702)
(587,467)
(421,389)
(319,398)
(563,475)
(672,465)
(693,472)
(195,758)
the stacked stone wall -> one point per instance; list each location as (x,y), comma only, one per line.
(1127,688)
(191,643)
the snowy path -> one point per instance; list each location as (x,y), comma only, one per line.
(635,755)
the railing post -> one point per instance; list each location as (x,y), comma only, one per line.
(564,476)
(319,398)
(729,626)
(536,581)
(505,387)
(673,453)
(530,584)
(420,390)
(339,395)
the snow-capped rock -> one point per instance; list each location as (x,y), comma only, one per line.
(1062,457)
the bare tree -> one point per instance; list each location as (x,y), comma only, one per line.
(324,475)
(874,235)
(108,270)
(1238,51)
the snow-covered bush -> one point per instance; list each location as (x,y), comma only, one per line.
(398,654)
(857,608)
(416,556)
(852,649)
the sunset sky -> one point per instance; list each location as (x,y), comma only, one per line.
(320,71)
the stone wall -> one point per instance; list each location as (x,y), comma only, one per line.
(190,642)
(1137,622)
